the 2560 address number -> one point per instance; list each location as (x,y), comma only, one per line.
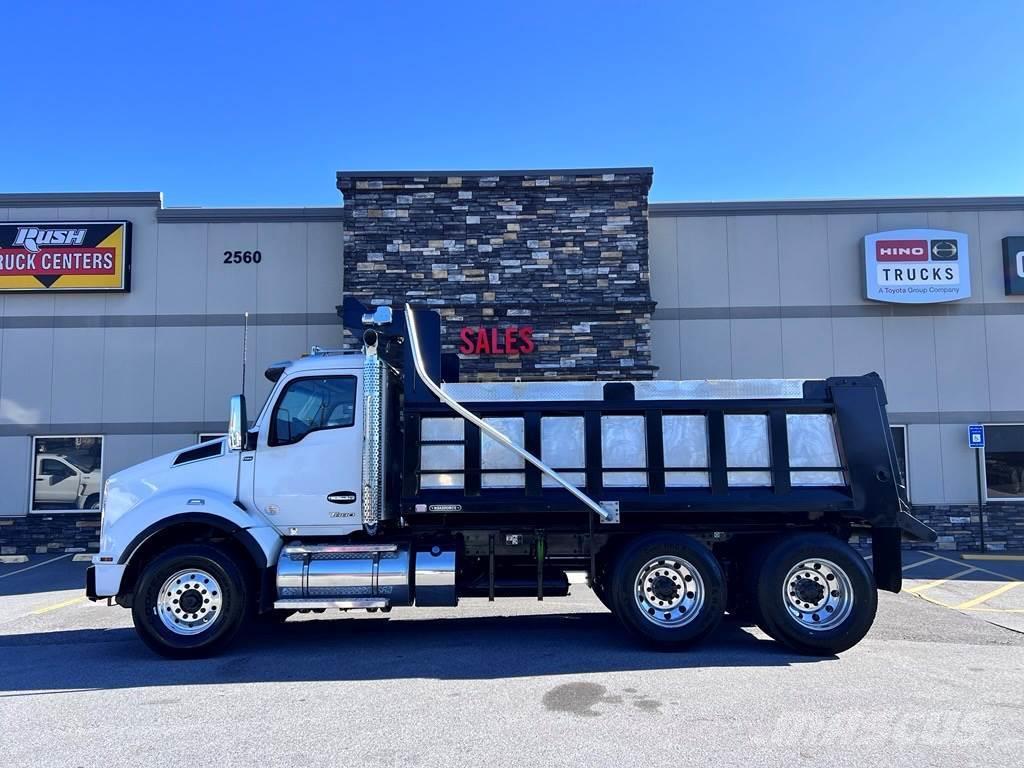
(242,257)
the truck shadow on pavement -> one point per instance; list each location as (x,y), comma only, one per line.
(472,648)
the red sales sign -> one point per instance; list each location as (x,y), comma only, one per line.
(512,340)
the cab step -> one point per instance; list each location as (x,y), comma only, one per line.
(305,604)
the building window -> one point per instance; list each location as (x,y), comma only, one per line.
(67,472)
(899,437)
(1004,462)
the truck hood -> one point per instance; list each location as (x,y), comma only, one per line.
(127,489)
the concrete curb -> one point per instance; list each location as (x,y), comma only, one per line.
(82,558)
(12,559)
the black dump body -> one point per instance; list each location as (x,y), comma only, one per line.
(870,501)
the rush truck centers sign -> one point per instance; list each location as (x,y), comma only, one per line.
(917,266)
(65,256)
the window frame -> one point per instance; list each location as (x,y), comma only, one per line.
(32,510)
(906,455)
(984,466)
(272,440)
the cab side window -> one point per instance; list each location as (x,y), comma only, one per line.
(312,404)
(54,467)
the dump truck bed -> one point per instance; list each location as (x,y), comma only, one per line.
(740,448)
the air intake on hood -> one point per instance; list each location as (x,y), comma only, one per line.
(205,451)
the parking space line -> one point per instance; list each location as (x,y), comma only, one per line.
(58,606)
(927,560)
(36,565)
(921,588)
(986,556)
(976,567)
(988,595)
(995,610)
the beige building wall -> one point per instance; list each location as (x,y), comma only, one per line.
(747,291)
(152,368)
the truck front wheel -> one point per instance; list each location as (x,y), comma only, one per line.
(190,602)
(815,594)
(668,590)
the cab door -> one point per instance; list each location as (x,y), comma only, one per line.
(56,481)
(308,460)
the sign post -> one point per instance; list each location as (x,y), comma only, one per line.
(976,440)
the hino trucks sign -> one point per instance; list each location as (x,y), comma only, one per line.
(917,266)
(65,256)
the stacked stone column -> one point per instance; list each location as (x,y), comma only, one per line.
(565,252)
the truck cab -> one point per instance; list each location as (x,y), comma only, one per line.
(61,483)
(302,469)
(375,479)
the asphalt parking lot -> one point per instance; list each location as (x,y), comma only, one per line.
(938,681)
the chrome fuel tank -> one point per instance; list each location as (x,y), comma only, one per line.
(345,571)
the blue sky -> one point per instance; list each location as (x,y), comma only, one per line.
(260,103)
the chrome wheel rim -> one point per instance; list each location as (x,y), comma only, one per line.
(818,594)
(669,591)
(190,602)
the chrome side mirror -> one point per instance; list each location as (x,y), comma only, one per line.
(238,424)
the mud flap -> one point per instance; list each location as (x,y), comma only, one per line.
(887,558)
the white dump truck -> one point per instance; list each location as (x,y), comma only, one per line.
(375,479)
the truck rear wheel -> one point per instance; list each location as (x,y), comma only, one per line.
(668,590)
(190,602)
(815,594)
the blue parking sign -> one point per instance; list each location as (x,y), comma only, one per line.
(976,436)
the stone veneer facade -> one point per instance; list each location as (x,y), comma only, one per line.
(564,252)
(44,533)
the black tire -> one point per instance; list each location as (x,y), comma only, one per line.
(232,594)
(92,502)
(838,615)
(671,562)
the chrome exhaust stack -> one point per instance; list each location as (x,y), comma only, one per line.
(374,406)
